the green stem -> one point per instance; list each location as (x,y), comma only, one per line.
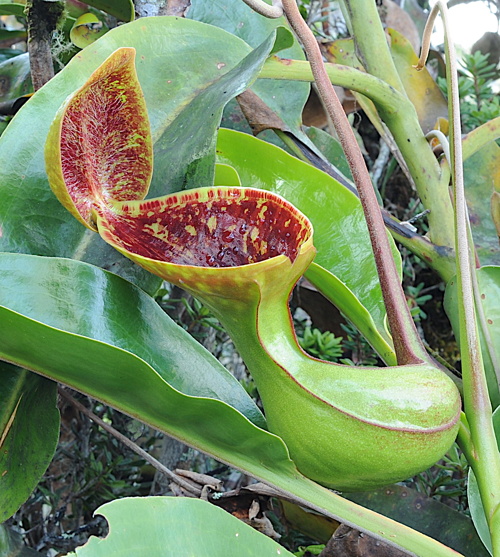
(407,344)
(401,118)
(485,456)
(373,50)
(371,42)
(382,94)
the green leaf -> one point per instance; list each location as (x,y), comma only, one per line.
(285,98)
(340,233)
(15,77)
(184,153)
(12,8)
(331,148)
(86,30)
(8,35)
(29,431)
(426,515)
(171,72)
(120,318)
(176,526)
(482,179)
(128,383)
(474,497)
(489,293)
(420,87)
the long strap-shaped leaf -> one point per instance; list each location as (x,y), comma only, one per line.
(120,378)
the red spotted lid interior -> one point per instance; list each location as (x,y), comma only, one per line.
(217,227)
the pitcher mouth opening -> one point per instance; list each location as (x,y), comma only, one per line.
(208,227)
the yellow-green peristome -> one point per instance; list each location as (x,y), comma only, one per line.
(240,251)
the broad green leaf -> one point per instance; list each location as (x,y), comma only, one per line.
(176,60)
(340,233)
(226,175)
(29,431)
(474,497)
(482,179)
(176,526)
(331,148)
(128,383)
(185,151)
(489,293)
(285,98)
(119,317)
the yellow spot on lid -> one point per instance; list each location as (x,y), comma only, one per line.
(190,230)
(212,223)
(254,234)
(262,211)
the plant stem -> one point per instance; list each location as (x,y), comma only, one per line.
(373,50)
(130,444)
(43,18)
(272,12)
(407,344)
(371,42)
(484,456)
(399,114)
(382,94)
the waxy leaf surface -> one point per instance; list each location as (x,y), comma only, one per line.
(286,98)
(81,299)
(128,383)
(489,292)
(340,233)
(176,526)
(482,180)
(474,497)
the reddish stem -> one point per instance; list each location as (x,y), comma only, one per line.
(407,343)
